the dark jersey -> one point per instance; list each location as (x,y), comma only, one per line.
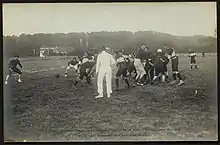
(73,62)
(88,65)
(169,51)
(140,53)
(149,62)
(160,61)
(121,62)
(14,62)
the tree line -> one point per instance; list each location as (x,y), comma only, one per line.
(77,43)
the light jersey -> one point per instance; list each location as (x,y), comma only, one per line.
(137,60)
(173,55)
(120,59)
(104,61)
(84,60)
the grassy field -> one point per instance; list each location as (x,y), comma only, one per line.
(46,108)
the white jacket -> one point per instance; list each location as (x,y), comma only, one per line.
(104,61)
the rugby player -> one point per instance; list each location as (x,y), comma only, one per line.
(149,67)
(139,57)
(122,64)
(173,56)
(192,58)
(72,64)
(86,70)
(12,67)
(160,66)
(203,54)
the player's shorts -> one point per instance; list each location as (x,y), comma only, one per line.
(14,69)
(159,70)
(175,64)
(148,67)
(139,67)
(121,71)
(131,67)
(192,61)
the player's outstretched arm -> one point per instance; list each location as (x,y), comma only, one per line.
(19,63)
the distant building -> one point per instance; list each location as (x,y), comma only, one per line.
(46,51)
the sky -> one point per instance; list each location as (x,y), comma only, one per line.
(181,19)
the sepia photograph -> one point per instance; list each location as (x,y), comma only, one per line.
(110,71)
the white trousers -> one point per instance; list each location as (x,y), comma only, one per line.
(139,69)
(107,73)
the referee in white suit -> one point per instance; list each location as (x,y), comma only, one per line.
(104,69)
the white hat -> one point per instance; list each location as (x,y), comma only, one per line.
(159,50)
(107,48)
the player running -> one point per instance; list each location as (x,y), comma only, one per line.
(12,67)
(122,64)
(72,64)
(192,58)
(173,56)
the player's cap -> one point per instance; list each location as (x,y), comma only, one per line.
(107,48)
(16,55)
(159,50)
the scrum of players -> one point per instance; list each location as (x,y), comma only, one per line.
(136,69)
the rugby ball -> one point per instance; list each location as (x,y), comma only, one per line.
(57,75)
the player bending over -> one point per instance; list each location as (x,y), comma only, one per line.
(12,67)
(149,67)
(72,64)
(192,58)
(174,62)
(86,70)
(122,64)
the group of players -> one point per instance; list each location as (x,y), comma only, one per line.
(147,67)
(138,68)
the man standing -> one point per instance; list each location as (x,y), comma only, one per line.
(203,54)
(175,63)
(192,58)
(160,66)
(104,69)
(12,67)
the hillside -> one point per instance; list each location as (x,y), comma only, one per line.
(73,42)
